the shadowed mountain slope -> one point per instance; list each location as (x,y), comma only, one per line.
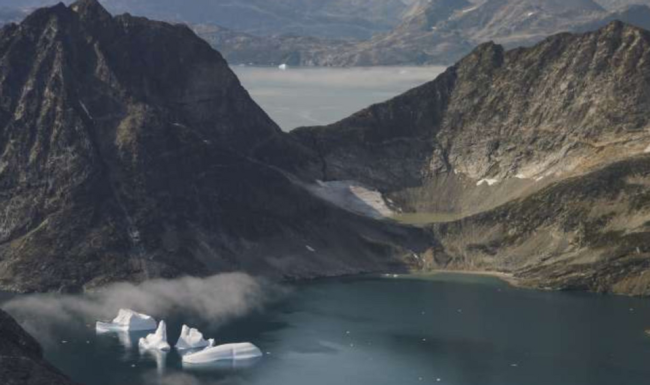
(130,150)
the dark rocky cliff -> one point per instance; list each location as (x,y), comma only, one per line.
(129,150)
(21,358)
(501,128)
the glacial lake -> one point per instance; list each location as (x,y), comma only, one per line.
(316,96)
(440,329)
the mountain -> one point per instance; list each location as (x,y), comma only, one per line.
(617,4)
(129,150)
(540,153)
(441,32)
(294,50)
(347,19)
(21,358)
(337,33)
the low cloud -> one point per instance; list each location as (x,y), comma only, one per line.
(216,299)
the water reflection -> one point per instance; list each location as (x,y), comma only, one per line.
(223,365)
(159,356)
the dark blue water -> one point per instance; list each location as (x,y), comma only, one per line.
(446,329)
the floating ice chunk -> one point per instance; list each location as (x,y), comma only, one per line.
(240,351)
(191,338)
(157,340)
(283,67)
(127,320)
(490,182)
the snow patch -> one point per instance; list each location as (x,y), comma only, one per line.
(127,320)
(647,150)
(352,196)
(529,14)
(190,338)
(229,352)
(157,340)
(469,9)
(489,182)
(83,106)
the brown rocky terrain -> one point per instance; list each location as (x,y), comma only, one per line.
(542,151)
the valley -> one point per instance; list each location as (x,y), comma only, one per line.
(347,218)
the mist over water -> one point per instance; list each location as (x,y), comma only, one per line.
(319,96)
(216,300)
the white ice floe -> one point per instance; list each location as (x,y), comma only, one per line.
(191,338)
(489,182)
(282,67)
(127,320)
(157,340)
(227,352)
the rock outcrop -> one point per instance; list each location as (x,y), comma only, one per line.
(21,358)
(129,150)
(508,140)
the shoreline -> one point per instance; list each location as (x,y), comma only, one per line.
(508,278)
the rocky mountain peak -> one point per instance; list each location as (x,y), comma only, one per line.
(130,150)
(90,11)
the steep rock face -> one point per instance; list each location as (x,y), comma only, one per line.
(510,128)
(515,116)
(21,358)
(129,150)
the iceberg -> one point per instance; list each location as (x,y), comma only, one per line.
(127,320)
(191,338)
(227,352)
(157,340)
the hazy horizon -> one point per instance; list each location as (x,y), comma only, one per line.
(319,96)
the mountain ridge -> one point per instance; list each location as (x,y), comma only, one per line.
(494,132)
(130,150)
